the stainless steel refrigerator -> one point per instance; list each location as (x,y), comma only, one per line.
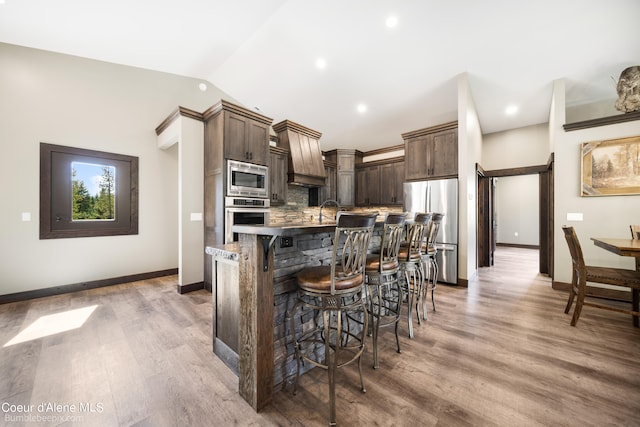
(441,196)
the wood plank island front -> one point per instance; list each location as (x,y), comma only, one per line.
(267,289)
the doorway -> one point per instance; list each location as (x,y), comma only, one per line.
(487,221)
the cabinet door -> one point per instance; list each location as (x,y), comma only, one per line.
(368,186)
(345,189)
(398,171)
(328,192)
(257,143)
(235,136)
(391,183)
(278,178)
(444,153)
(417,157)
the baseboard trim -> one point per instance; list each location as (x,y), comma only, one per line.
(183,289)
(75,287)
(596,292)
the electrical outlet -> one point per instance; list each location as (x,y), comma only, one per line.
(286,241)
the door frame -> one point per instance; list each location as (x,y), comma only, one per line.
(486,238)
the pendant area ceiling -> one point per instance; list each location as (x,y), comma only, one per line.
(264,54)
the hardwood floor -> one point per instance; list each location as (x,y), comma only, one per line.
(499,353)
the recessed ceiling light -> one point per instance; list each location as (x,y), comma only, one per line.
(362,108)
(321,63)
(201,86)
(392,21)
(511,110)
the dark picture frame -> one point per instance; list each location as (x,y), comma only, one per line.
(56,187)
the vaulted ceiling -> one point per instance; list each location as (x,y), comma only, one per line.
(265,52)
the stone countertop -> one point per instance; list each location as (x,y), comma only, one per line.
(230,251)
(287,229)
(290,229)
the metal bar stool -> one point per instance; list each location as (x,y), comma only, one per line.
(384,293)
(410,258)
(430,262)
(332,290)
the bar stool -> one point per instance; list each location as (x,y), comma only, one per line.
(410,258)
(430,262)
(384,293)
(333,290)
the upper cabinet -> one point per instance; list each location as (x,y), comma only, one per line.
(245,134)
(431,152)
(328,190)
(345,161)
(380,183)
(278,175)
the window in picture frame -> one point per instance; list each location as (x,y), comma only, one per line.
(87,193)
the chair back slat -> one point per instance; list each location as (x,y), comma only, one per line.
(391,239)
(349,258)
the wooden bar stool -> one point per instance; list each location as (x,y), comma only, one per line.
(430,262)
(332,291)
(384,293)
(410,258)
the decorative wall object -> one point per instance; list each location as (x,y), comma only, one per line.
(611,167)
(629,90)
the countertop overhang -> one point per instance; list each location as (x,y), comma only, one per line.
(283,229)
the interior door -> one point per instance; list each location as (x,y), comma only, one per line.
(486,235)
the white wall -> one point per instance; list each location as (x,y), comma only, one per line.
(517,213)
(527,146)
(517,198)
(66,100)
(469,153)
(608,216)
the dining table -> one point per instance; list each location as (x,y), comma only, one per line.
(623,247)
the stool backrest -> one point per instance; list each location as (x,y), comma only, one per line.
(350,245)
(391,238)
(415,234)
(434,228)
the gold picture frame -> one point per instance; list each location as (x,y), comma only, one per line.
(611,167)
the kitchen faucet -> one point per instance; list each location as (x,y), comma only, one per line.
(326,202)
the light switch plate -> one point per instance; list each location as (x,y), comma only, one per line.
(196,216)
(26,216)
(574,216)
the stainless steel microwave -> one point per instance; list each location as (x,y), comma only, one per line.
(247,179)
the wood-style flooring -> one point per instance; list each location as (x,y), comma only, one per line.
(500,353)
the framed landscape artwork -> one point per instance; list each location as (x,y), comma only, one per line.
(611,168)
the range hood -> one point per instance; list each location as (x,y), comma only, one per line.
(306,166)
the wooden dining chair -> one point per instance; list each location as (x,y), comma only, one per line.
(635,235)
(583,273)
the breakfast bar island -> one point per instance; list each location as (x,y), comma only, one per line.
(269,258)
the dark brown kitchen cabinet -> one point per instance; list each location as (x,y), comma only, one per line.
(328,190)
(250,139)
(380,183)
(278,175)
(368,185)
(391,183)
(431,152)
(227,127)
(346,161)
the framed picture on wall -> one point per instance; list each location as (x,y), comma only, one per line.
(611,167)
